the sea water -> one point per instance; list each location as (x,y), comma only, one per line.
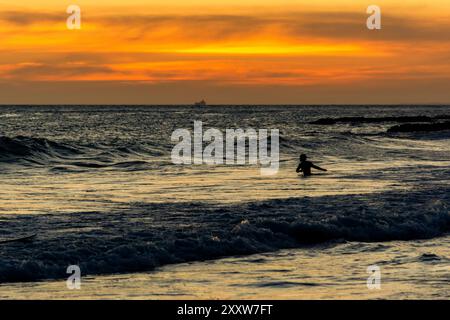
(97,185)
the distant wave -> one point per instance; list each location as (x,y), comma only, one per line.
(45,152)
(421,127)
(400,119)
(150,235)
(59,156)
(21,146)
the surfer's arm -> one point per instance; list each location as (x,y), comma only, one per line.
(318,168)
(299,169)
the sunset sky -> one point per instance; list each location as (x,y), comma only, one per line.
(224,51)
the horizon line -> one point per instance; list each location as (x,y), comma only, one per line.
(223,104)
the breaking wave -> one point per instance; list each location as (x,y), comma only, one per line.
(148,235)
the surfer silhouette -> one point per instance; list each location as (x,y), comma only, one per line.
(305,166)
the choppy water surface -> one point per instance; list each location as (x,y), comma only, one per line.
(98,187)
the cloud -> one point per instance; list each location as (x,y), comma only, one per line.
(348,25)
(351,25)
(36,71)
(25,18)
(298,25)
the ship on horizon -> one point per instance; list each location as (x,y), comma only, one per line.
(200,103)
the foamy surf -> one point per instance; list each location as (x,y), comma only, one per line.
(410,270)
(146,236)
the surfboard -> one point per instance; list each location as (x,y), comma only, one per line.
(25,238)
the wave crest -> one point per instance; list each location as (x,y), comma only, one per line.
(151,235)
(24,150)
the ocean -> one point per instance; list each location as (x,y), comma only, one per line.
(97,186)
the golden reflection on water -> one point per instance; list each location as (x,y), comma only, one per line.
(99,190)
(334,272)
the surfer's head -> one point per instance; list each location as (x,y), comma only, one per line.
(303,157)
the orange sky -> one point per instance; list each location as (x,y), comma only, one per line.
(247,51)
